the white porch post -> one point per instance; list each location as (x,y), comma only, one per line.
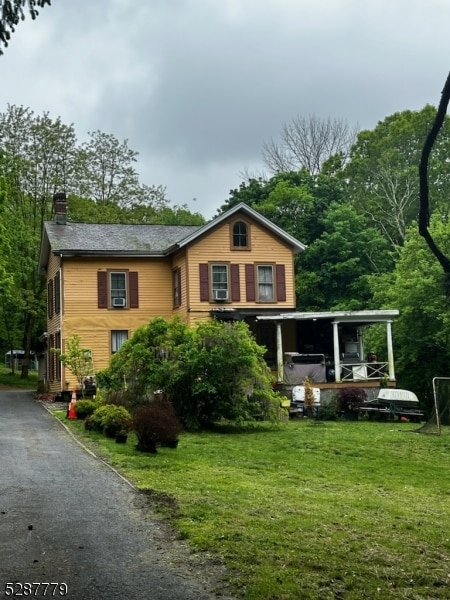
(390,351)
(337,358)
(279,352)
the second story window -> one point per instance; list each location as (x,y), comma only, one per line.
(219,282)
(118,289)
(265,283)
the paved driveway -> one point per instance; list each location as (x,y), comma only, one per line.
(66,518)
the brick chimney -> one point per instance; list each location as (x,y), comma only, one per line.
(60,208)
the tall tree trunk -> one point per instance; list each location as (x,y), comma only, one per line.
(424,213)
(28,331)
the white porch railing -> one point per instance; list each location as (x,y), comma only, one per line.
(363,371)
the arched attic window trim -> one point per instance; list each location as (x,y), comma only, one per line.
(240,235)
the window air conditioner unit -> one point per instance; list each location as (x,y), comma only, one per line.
(119,302)
(220,294)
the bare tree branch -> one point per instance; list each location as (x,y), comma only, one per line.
(307,142)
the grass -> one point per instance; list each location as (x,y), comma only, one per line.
(15,380)
(339,510)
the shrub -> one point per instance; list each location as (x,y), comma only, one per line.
(212,372)
(156,425)
(327,412)
(350,399)
(110,419)
(85,408)
(116,419)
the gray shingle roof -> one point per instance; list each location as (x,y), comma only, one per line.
(93,238)
(138,240)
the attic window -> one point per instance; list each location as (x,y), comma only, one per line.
(240,239)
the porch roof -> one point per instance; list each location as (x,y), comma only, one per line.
(339,316)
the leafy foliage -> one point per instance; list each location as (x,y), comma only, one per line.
(85,408)
(211,372)
(382,171)
(349,399)
(77,359)
(110,419)
(422,332)
(12,12)
(333,274)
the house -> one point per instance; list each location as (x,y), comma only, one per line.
(105,280)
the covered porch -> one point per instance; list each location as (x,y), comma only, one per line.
(328,348)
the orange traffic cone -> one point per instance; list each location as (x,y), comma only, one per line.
(71,413)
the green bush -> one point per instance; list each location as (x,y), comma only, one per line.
(327,412)
(212,372)
(116,419)
(85,408)
(110,419)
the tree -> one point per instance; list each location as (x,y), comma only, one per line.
(422,330)
(333,272)
(382,171)
(12,11)
(37,161)
(77,359)
(107,175)
(211,372)
(307,143)
(294,201)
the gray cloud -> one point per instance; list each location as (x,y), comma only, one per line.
(197,86)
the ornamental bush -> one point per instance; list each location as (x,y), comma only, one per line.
(350,399)
(110,419)
(156,424)
(85,408)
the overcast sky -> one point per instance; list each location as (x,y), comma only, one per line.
(197,86)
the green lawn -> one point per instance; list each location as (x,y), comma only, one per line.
(15,380)
(348,510)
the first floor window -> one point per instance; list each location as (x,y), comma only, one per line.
(118,337)
(265,283)
(219,279)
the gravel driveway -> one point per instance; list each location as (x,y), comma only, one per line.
(67,518)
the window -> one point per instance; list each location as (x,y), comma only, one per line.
(239,236)
(50,299)
(176,275)
(219,282)
(118,337)
(57,292)
(265,283)
(118,288)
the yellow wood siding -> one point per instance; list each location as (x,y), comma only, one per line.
(93,324)
(215,247)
